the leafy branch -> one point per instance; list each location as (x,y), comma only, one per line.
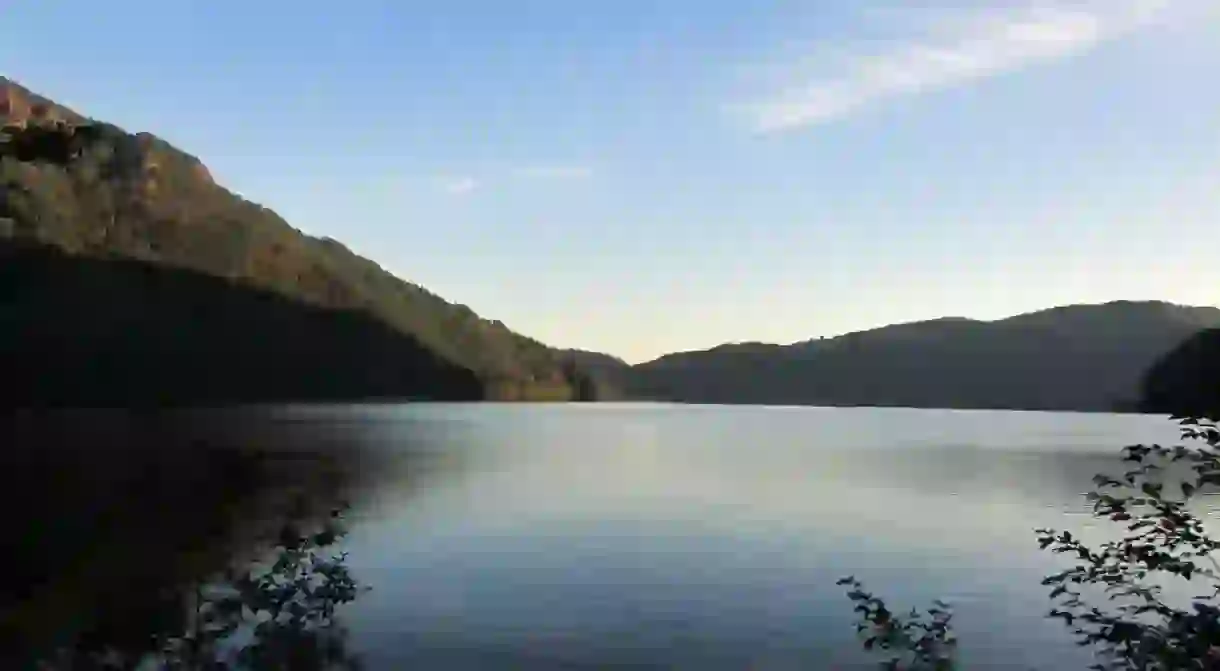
(915,642)
(287,606)
(1128,620)
(1113,596)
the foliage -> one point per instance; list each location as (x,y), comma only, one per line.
(916,642)
(585,387)
(108,554)
(55,143)
(1113,597)
(288,606)
(600,377)
(274,614)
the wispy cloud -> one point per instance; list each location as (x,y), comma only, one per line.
(487,179)
(954,50)
(554,172)
(459,186)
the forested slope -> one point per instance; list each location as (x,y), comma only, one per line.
(136,197)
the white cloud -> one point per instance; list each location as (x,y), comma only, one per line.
(459,186)
(463,185)
(555,172)
(954,50)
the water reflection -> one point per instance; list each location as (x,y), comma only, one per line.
(625,536)
(648,537)
(139,533)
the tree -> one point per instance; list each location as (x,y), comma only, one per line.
(288,605)
(584,386)
(1113,598)
(914,642)
(57,143)
(285,605)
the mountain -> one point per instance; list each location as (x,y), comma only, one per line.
(139,199)
(1079,357)
(1186,381)
(605,368)
(604,375)
(89,332)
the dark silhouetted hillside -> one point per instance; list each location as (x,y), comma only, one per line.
(1083,357)
(137,197)
(1186,381)
(87,331)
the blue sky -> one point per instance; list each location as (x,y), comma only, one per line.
(642,177)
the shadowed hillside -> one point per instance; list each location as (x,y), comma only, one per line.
(1084,357)
(603,377)
(106,332)
(1186,381)
(137,197)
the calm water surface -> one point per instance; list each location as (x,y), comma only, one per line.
(655,536)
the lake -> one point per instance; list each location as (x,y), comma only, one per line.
(704,537)
(607,536)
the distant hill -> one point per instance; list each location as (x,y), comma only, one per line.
(605,372)
(1186,381)
(600,364)
(1079,357)
(135,197)
(253,309)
